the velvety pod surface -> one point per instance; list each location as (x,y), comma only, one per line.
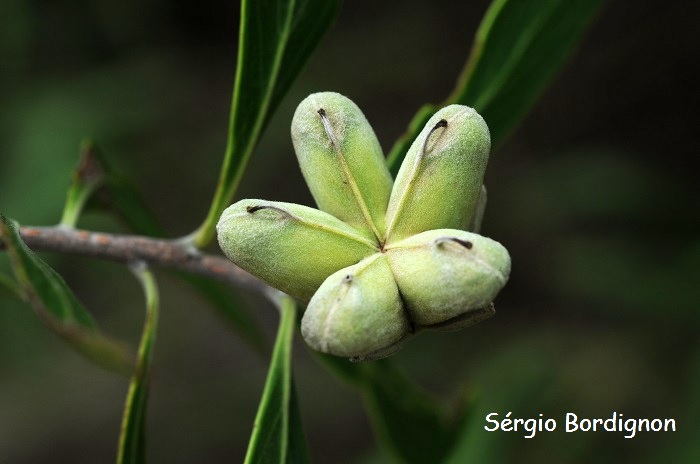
(342,161)
(444,273)
(439,182)
(291,247)
(378,262)
(357,311)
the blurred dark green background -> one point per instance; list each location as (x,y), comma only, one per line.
(594,195)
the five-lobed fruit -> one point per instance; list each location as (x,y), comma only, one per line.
(376,264)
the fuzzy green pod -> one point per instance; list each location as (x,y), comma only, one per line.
(444,274)
(289,246)
(342,161)
(439,182)
(357,312)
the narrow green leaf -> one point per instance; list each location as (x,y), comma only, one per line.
(277,434)
(56,305)
(132,449)
(297,448)
(530,389)
(518,49)
(412,424)
(276,37)
(87,177)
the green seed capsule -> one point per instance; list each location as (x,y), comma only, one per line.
(342,161)
(357,312)
(440,180)
(291,247)
(444,274)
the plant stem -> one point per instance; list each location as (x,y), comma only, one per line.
(170,254)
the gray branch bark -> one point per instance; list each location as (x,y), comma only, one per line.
(128,249)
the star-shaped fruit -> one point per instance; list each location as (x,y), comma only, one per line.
(379,260)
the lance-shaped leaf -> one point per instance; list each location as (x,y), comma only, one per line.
(440,180)
(412,424)
(357,312)
(291,247)
(409,422)
(132,440)
(518,49)
(342,161)
(56,305)
(278,435)
(276,37)
(443,274)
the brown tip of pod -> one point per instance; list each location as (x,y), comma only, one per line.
(252,209)
(327,127)
(465,243)
(440,124)
(283,212)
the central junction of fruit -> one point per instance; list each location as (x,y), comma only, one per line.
(380,259)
